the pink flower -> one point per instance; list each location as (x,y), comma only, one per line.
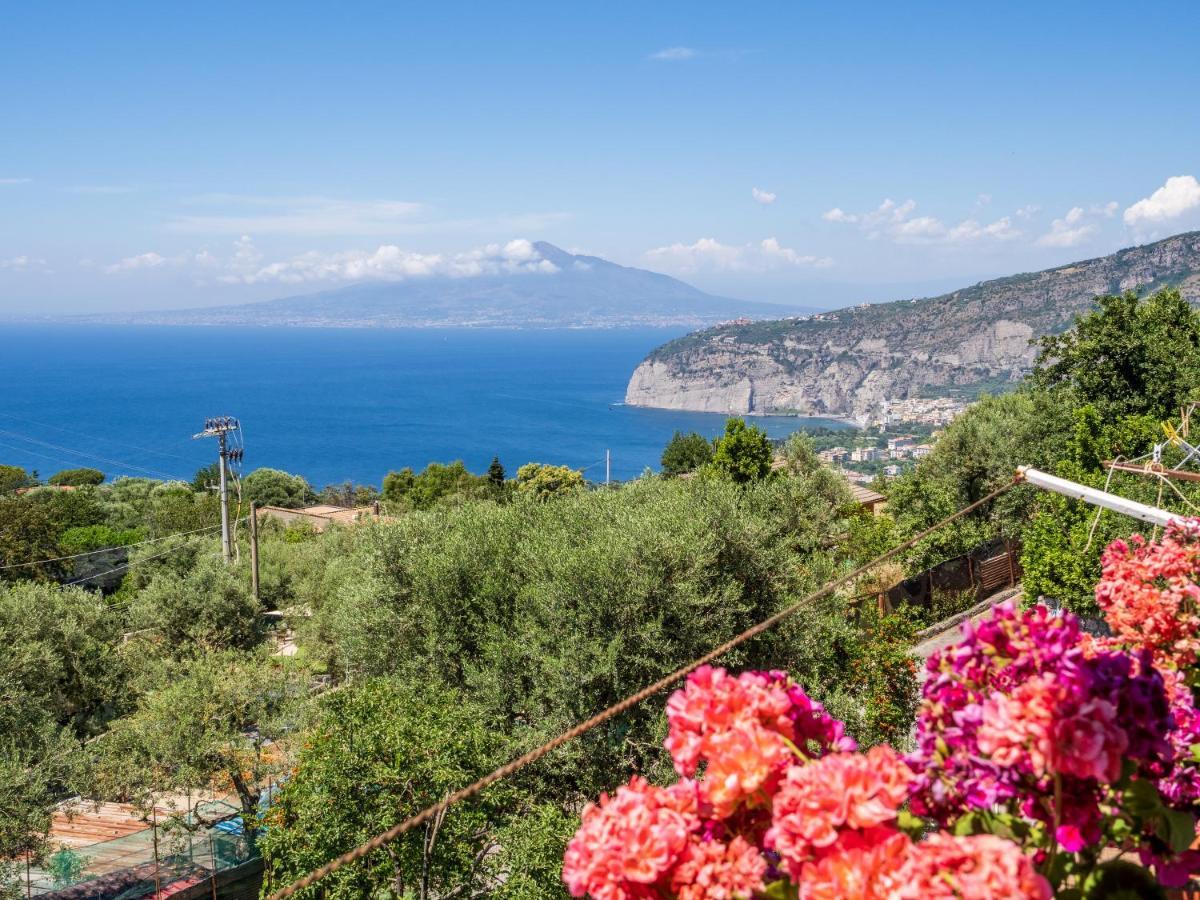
(745,730)
(719,871)
(630,841)
(864,873)
(842,798)
(981,867)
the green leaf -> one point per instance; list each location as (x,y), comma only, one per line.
(781,890)
(1142,799)
(1121,880)
(971,823)
(912,825)
(1180,829)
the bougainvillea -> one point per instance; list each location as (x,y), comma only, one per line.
(1042,755)
(1149,594)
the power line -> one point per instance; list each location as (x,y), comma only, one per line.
(94,456)
(616,709)
(124,566)
(95,437)
(38,562)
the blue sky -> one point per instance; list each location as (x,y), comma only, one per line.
(158,155)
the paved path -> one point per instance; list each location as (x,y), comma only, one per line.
(948,632)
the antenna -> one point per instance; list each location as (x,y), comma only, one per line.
(221,427)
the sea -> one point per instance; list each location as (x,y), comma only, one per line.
(335,404)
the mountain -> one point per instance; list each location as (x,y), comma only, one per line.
(568,290)
(851,361)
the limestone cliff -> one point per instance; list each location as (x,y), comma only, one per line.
(847,362)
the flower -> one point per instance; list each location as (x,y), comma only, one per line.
(843,799)
(746,730)
(720,871)
(631,840)
(1150,596)
(979,867)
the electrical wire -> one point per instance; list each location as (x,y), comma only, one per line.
(94,456)
(94,437)
(616,709)
(39,562)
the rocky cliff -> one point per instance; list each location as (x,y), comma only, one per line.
(849,362)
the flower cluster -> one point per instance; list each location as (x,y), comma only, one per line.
(1038,749)
(1149,594)
(1017,711)
(747,730)
(772,788)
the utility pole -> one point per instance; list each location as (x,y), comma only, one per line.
(607,467)
(221,427)
(254,547)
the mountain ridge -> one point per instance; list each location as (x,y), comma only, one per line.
(581,291)
(854,361)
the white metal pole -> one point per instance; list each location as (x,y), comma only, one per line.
(1151,514)
(225,548)
(607,466)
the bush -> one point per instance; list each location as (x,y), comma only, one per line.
(76,477)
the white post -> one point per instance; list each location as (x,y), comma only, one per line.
(1095,497)
(225,547)
(607,466)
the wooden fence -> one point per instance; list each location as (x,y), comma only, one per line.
(982,572)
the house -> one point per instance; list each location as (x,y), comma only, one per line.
(920,451)
(323,515)
(868,499)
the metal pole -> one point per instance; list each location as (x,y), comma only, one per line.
(607,466)
(157,883)
(225,547)
(1141,511)
(254,547)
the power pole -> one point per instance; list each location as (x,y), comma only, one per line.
(607,467)
(254,547)
(221,427)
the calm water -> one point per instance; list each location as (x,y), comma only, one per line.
(332,404)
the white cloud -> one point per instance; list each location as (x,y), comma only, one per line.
(15,180)
(896,222)
(675,54)
(246,264)
(1071,230)
(983,199)
(1179,194)
(22,263)
(710,254)
(1028,211)
(1108,210)
(149,260)
(766,198)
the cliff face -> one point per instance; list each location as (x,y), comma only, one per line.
(847,362)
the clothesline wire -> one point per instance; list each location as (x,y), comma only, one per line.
(616,709)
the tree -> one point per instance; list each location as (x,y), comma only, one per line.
(209,607)
(207,478)
(272,487)
(373,743)
(495,473)
(207,723)
(543,481)
(743,454)
(437,483)
(1131,356)
(686,453)
(76,477)
(13,477)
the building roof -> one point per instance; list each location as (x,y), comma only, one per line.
(865,496)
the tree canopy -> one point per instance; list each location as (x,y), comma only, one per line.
(76,477)
(686,453)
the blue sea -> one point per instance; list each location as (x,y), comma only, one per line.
(334,404)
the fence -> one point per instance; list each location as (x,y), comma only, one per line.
(980,573)
(149,863)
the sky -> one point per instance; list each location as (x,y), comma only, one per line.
(172,155)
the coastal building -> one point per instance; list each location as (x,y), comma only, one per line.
(322,516)
(920,451)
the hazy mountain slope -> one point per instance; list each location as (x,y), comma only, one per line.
(582,291)
(847,362)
